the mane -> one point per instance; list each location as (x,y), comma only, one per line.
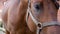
(55,3)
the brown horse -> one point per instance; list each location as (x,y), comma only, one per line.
(42,17)
(13,16)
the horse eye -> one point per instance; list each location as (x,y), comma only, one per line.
(38,6)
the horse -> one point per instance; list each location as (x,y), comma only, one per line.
(42,16)
(13,17)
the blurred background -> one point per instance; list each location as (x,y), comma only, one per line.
(1,7)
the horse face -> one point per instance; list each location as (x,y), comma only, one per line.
(43,11)
(41,8)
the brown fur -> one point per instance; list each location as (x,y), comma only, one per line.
(13,16)
(48,14)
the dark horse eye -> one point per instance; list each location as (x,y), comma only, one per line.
(38,6)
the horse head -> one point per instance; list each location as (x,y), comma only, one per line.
(43,16)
